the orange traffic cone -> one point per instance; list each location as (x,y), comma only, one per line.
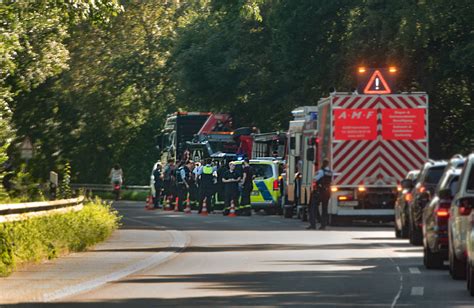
(149,203)
(176,203)
(204,207)
(232,209)
(187,210)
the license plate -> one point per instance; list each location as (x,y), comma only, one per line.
(348,203)
(255,193)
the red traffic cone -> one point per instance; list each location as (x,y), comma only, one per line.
(187,210)
(232,209)
(176,203)
(204,207)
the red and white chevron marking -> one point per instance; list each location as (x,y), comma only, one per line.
(377,162)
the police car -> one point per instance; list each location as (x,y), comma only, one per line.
(267,184)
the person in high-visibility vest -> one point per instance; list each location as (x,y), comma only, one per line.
(207,179)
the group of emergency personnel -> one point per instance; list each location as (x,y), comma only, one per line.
(202,182)
(205,181)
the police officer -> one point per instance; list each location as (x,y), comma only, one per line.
(231,179)
(183,178)
(322,194)
(207,179)
(247,182)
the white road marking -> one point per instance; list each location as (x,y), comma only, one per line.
(400,289)
(414,270)
(179,240)
(417,291)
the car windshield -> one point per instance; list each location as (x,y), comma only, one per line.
(262,170)
(434,174)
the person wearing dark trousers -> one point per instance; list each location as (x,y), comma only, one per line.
(158,185)
(321,194)
(231,179)
(183,178)
(207,178)
(247,183)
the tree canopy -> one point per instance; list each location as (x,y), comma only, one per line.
(91,82)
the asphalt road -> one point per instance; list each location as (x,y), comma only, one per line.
(265,261)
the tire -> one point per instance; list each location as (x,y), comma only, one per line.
(398,233)
(304,215)
(404,233)
(416,237)
(432,260)
(457,268)
(288,212)
(470,277)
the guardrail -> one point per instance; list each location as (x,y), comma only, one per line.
(108,187)
(23,211)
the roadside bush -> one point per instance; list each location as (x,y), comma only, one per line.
(47,237)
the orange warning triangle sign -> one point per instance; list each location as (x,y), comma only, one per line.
(377,84)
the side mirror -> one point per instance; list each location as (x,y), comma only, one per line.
(445,194)
(407,184)
(310,154)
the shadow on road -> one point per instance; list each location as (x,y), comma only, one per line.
(258,247)
(354,278)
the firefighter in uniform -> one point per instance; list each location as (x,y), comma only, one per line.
(183,178)
(207,180)
(321,195)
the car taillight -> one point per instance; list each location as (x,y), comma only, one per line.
(442,213)
(408,197)
(276,185)
(464,208)
(421,189)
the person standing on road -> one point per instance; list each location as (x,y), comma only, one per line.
(207,177)
(183,180)
(321,194)
(158,184)
(247,182)
(231,179)
(169,180)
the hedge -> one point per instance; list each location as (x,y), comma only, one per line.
(47,237)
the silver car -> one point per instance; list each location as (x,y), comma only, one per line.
(459,222)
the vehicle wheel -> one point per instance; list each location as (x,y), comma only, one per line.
(304,215)
(415,236)
(398,233)
(404,233)
(468,276)
(471,279)
(288,212)
(431,260)
(457,268)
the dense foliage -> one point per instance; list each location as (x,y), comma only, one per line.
(97,94)
(48,237)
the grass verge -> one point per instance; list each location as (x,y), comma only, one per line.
(49,236)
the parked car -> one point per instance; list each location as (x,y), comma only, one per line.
(459,222)
(435,220)
(429,177)
(470,252)
(401,204)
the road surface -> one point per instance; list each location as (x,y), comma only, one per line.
(173,259)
